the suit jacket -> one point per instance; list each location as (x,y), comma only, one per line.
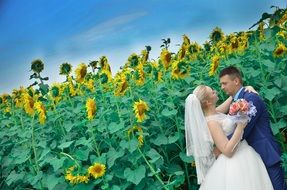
(258,131)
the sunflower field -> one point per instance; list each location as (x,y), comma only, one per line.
(99,131)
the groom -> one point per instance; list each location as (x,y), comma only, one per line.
(258,132)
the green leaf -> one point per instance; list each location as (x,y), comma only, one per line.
(114,127)
(21,156)
(83,186)
(185,158)
(153,155)
(6,122)
(52,181)
(83,141)
(65,144)
(82,153)
(173,168)
(32,179)
(254,73)
(44,88)
(115,187)
(112,155)
(68,125)
(44,153)
(57,163)
(13,177)
(161,139)
(168,113)
(132,145)
(135,176)
(277,126)
(99,159)
(283,109)
(173,139)
(269,64)
(270,94)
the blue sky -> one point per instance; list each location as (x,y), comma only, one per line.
(79,31)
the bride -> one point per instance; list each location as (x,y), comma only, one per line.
(239,166)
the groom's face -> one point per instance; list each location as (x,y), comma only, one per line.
(229,84)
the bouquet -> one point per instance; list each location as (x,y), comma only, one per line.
(242,111)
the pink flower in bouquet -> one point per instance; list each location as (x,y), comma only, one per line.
(242,108)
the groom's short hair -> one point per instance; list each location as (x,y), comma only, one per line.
(232,71)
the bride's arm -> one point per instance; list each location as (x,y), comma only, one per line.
(224,107)
(221,141)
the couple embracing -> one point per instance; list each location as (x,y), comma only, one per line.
(231,154)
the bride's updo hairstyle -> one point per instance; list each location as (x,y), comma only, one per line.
(201,93)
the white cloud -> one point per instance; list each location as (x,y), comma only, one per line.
(108,27)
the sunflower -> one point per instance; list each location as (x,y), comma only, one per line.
(28,104)
(207,46)
(283,19)
(165,57)
(7,109)
(72,89)
(179,69)
(90,84)
(65,69)
(261,30)
(280,50)
(16,96)
(184,46)
(186,41)
(104,63)
(216,35)
(121,86)
(97,170)
(105,76)
(138,130)
(140,109)
(139,75)
(193,50)
(41,110)
(75,179)
(233,42)
(140,140)
(282,34)
(243,41)
(133,61)
(181,52)
(4,98)
(144,56)
(91,108)
(81,72)
(223,47)
(157,75)
(215,60)
(37,66)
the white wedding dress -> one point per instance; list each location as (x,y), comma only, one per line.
(243,171)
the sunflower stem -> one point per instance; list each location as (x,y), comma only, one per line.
(152,169)
(69,156)
(35,151)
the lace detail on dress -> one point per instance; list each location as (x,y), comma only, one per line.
(224,120)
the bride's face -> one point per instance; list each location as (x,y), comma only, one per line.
(212,94)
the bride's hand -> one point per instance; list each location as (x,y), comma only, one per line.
(250,89)
(216,152)
(241,124)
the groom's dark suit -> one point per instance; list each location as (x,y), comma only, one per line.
(258,134)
